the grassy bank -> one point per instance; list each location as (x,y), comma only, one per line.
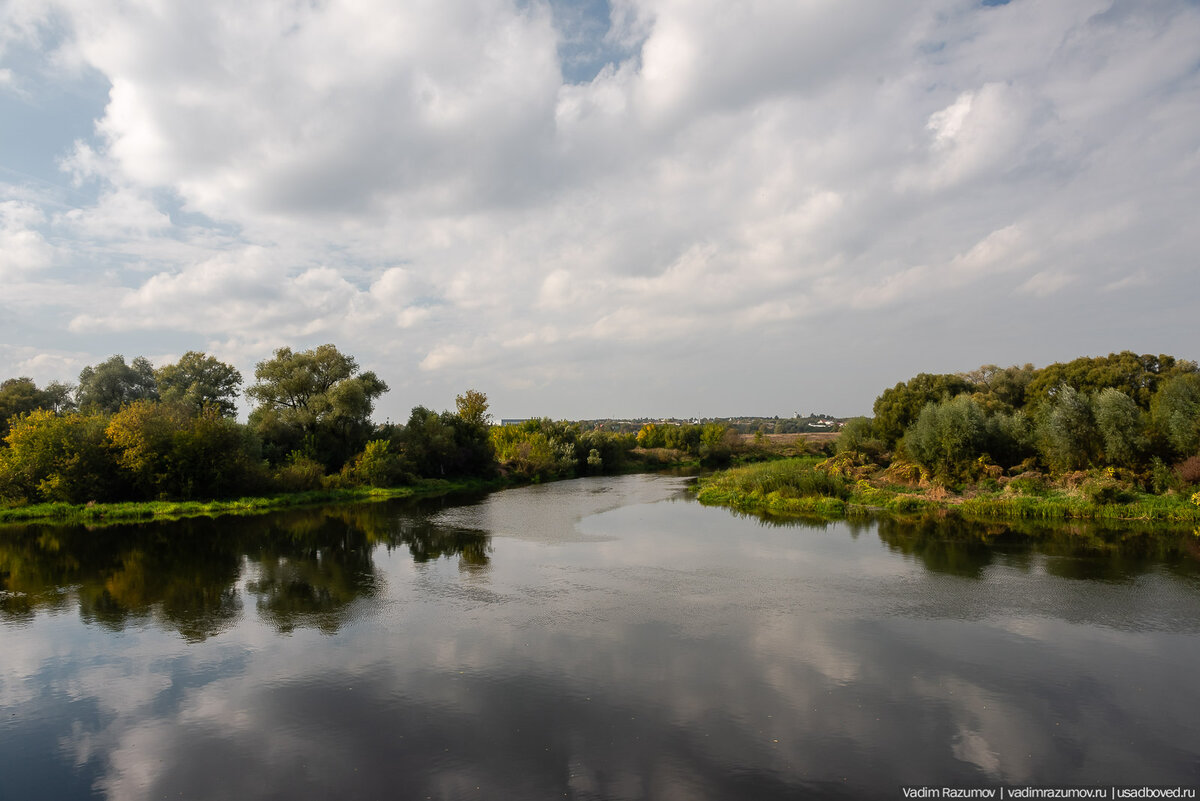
(803,487)
(94,513)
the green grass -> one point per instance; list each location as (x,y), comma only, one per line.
(171,510)
(795,486)
(1060,506)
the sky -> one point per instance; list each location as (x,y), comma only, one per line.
(600,208)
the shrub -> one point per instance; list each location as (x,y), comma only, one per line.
(858,436)
(302,473)
(375,466)
(1028,483)
(1189,470)
(1105,490)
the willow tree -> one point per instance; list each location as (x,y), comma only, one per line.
(314,401)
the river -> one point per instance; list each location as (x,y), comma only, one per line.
(603,638)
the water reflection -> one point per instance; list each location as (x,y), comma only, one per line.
(303,568)
(626,644)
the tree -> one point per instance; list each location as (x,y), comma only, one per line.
(1119,421)
(198,380)
(1137,376)
(898,408)
(58,458)
(473,408)
(1001,386)
(1175,411)
(858,436)
(168,452)
(1066,433)
(319,394)
(108,386)
(21,396)
(948,437)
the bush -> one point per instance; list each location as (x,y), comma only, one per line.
(375,466)
(302,473)
(1105,490)
(1026,484)
(1189,470)
(858,436)
(54,457)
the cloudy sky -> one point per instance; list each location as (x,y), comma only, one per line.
(600,207)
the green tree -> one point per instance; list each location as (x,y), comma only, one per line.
(1137,376)
(321,396)
(1119,422)
(651,435)
(1066,432)
(167,452)
(948,437)
(199,380)
(716,444)
(1001,387)
(54,457)
(1175,411)
(108,386)
(21,396)
(375,466)
(898,408)
(858,436)
(473,408)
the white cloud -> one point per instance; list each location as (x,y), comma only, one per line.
(23,249)
(420,184)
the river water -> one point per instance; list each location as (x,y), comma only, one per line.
(604,638)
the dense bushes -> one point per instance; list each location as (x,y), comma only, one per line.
(712,443)
(1137,414)
(542,449)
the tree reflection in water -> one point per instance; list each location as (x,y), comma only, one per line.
(305,568)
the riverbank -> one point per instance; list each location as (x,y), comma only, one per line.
(102,513)
(800,487)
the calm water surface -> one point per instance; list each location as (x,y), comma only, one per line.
(594,639)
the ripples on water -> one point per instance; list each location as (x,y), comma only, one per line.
(600,638)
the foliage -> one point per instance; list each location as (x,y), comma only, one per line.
(198,380)
(858,436)
(1000,387)
(948,438)
(21,396)
(716,444)
(376,466)
(167,452)
(543,449)
(1137,376)
(1119,422)
(898,408)
(782,479)
(1066,434)
(58,458)
(444,445)
(301,473)
(317,396)
(1175,411)
(472,408)
(108,386)
(1189,470)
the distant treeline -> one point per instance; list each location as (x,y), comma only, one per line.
(130,431)
(1132,420)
